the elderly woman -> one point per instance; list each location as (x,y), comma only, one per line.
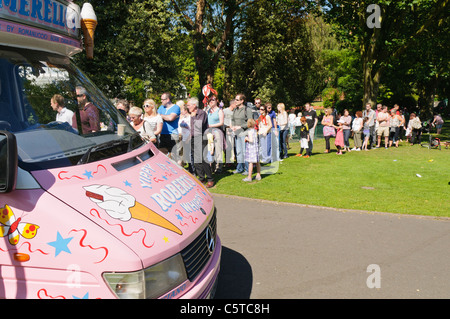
(198,126)
(415,125)
(141,126)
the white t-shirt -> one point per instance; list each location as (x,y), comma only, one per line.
(64,116)
(357,124)
(145,130)
(153,121)
(184,127)
(291,118)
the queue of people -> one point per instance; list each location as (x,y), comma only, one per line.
(371,128)
(211,137)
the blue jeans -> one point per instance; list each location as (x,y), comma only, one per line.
(347,134)
(272,147)
(283,146)
(265,143)
(240,153)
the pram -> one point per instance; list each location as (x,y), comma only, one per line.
(433,142)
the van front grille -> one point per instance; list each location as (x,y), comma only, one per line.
(199,252)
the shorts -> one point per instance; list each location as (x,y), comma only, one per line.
(383,130)
(366,132)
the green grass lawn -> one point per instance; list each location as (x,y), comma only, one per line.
(379,180)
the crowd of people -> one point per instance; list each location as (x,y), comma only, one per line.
(207,137)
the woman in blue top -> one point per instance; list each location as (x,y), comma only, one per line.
(215,122)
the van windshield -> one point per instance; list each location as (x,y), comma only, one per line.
(58,116)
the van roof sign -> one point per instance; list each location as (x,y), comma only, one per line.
(58,16)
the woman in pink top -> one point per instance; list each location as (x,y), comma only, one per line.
(328,128)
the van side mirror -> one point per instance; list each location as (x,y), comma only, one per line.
(8,161)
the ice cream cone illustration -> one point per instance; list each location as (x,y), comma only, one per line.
(145,214)
(88,25)
(121,205)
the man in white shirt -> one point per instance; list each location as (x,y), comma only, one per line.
(63,114)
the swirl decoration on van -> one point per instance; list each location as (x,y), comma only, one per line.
(43,294)
(89,246)
(181,216)
(87,174)
(97,214)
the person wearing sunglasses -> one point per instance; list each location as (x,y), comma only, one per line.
(215,122)
(152,117)
(241,114)
(88,113)
(170,113)
(264,131)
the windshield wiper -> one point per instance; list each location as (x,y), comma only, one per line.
(103,146)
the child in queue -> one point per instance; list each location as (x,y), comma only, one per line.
(304,138)
(339,141)
(366,132)
(252,151)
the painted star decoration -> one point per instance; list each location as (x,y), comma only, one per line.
(60,244)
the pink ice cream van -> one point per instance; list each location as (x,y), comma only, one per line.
(88,209)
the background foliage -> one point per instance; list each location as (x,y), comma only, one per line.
(282,51)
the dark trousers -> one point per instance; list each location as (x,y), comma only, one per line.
(373,136)
(327,142)
(347,134)
(416,135)
(283,135)
(201,167)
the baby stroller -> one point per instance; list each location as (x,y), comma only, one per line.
(433,142)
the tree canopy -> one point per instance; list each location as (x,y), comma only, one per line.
(289,51)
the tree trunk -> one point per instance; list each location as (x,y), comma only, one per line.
(206,53)
(371,83)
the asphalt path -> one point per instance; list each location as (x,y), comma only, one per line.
(274,250)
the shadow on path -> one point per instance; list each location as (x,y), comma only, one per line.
(235,277)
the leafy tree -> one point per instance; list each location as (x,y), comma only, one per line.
(210,24)
(273,57)
(384,37)
(134,53)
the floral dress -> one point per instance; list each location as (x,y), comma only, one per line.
(328,130)
(252,148)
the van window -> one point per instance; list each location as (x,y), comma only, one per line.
(85,130)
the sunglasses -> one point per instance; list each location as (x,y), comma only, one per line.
(147,106)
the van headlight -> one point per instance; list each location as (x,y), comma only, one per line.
(148,283)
